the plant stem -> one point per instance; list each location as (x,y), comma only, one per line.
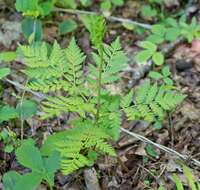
(99,83)
(21,113)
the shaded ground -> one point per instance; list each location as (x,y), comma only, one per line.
(135,169)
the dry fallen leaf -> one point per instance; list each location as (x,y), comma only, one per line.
(189,111)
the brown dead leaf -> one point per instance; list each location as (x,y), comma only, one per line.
(189,111)
(171,3)
(50,33)
(141,150)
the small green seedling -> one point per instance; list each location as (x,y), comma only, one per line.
(164,75)
(149,52)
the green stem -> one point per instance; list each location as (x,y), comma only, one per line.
(51,188)
(99,83)
(21,114)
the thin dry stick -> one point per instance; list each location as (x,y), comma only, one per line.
(110,18)
(19,86)
(164,148)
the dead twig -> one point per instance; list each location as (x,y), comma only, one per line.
(110,18)
(19,86)
(91,179)
(164,148)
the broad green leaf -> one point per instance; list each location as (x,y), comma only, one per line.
(171,22)
(4,135)
(156,1)
(27,109)
(189,176)
(29,181)
(4,72)
(166,71)
(168,81)
(128,26)
(46,8)
(30,26)
(67,26)
(158,58)
(178,182)
(7,113)
(8,56)
(28,7)
(118,2)
(194,22)
(155,75)
(8,148)
(161,188)
(198,186)
(29,156)
(86,3)
(148,11)
(158,29)
(10,179)
(143,56)
(151,151)
(182,20)
(148,45)
(106,5)
(155,39)
(172,34)
(48,147)
(157,125)
(67,3)
(52,164)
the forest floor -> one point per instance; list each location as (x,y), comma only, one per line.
(136,168)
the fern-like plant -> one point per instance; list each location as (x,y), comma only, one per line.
(96,111)
(79,146)
(151,102)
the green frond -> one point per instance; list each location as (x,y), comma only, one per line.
(44,69)
(55,106)
(142,92)
(97,28)
(74,74)
(71,164)
(35,55)
(58,69)
(110,115)
(115,61)
(75,144)
(111,122)
(49,85)
(127,99)
(152,102)
(104,147)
